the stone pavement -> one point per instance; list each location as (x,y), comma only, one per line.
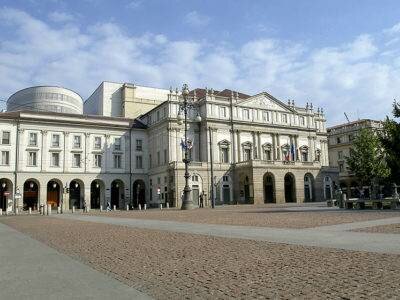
(319,237)
(32,270)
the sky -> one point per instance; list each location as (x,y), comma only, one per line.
(341,55)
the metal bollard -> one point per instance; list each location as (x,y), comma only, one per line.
(58,210)
(167,205)
(101,208)
(49,209)
(160,206)
(140,207)
(30,210)
(127,207)
(1,211)
(115,207)
(73,209)
(145,206)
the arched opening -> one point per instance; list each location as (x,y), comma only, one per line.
(197,188)
(269,188)
(54,193)
(117,193)
(31,194)
(76,194)
(309,188)
(328,188)
(6,188)
(96,194)
(139,193)
(290,188)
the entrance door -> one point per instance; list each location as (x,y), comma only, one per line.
(226,194)
(269,193)
(247,193)
(195,195)
(52,198)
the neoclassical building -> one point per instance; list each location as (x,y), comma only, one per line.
(123,146)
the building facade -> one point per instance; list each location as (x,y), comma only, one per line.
(125,148)
(340,140)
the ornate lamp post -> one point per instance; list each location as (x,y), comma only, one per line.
(184,107)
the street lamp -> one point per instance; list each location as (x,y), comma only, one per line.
(184,107)
(3,185)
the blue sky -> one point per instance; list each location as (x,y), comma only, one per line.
(340,55)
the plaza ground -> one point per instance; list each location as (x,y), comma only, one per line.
(278,251)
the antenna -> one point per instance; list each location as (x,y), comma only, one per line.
(348,121)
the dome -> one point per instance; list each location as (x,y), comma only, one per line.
(46,98)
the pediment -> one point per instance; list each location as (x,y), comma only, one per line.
(265,101)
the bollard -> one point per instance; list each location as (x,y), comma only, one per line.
(41,210)
(127,207)
(167,205)
(140,207)
(16,210)
(58,210)
(115,208)
(73,209)
(1,211)
(101,208)
(49,209)
(30,210)
(145,206)
(160,206)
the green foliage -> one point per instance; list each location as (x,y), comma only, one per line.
(390,139)
(367,158)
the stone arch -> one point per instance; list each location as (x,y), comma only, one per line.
(31,194)
(269,188)
(290,187)
(309,188)
(54,192)
(76,193)
(6,192)
(139,193)
(97,194)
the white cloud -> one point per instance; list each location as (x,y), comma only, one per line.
(359,77)
(195,19)
(61,17)
(135,4)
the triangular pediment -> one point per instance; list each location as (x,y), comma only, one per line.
(265,101)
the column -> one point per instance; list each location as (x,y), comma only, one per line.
(43,151)
(259,145)
(296,146)
(233,147)
(86,152)
(255,145)
(106,159)
(238,146)
(178,146)
(278,150)
(215,145)
(273,146)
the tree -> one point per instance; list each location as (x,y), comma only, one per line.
(390,140)
(367,158)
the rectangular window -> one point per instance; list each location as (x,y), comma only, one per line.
(117,161)
(224,155)
(139,145)
(32,159)
(55,140)
(284,118)
(165,156)
(97,160)
(340,154)
(139,162)
(117,144)
(97,142)
(338,140)
(5,140)
(265,116)
(223,112)
(158,115)
(225,178)
(351,137)
(267,154)
(77,161)
(32,139)
(164,112)
(302,121)
(247,154)
(55,159)
(5,158)
(77,141)
(246,114)
(341,168)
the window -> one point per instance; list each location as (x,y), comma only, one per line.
(77,141)
(165,156)
(284,118)
(55,159)
(338,140)
(5,158)
(139,162)
(224,154)
(151,182)
(139,146)
(351,137)
(223,112)
(158,158)
(246,114)
(158,180)
(32,159)
(77,161)
(265,116)
(267,153)
(32,139)
(117,144)
(164,112)
(97,142)
(340,154)
(97,160)
(341,167)
(318,155)
(302,121)
(247,154)
(304,155)
(55,140)
(158,115)
(225,178)
(5,140)
(195,178)
(117,161)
